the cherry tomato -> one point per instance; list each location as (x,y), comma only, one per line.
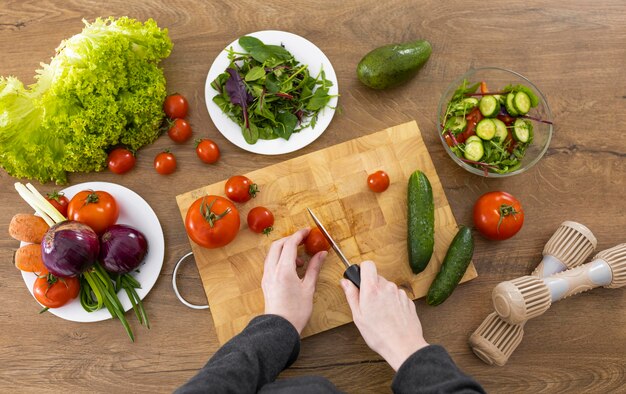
(378,182)
(53,292)
(261,220)
(175,106)
(498,215)
(207,151)
(121,160)
(240,189)
(212,221)
(165,163)
(59,201)
(96,209)
(315,242)
(179,130)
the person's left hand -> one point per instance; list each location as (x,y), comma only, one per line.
(285,293)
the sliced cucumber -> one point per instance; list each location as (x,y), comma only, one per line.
(456,124)
(522,130)
(489,106)
(510,108)
(486,129)
(521,102)
(473,138)
(501,131)
(474,150)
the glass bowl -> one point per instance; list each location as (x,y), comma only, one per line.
(496,79)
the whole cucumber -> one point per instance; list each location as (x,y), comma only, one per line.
(453,267)
(421,221)
(394,64)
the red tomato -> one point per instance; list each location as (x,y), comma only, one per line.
(261,220)
(175,106)
(58,201)
(179,130)
(121,160)
(165,163)
(378,182)
(472,120)
(448,140)
(498,215)
(315,242)
(212,221)
(207,151)
(240,189)
(97,209)
(53,292)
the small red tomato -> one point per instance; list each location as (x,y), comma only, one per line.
(261,220)
(378,182)
(165,163)
(175,106)
(58,201)
(315,242)
(240,189)
(53,292)
(179,130)
(121,160)
(207,151)
(498,215)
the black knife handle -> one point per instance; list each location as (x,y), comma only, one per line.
(353,274)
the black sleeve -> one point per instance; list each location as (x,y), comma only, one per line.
(251,359)
(431,370)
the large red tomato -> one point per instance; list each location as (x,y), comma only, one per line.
(498,215)
(96,209)
(212,221)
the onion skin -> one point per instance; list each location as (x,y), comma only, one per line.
(69,248)
(122,248)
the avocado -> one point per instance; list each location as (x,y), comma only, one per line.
(394,64)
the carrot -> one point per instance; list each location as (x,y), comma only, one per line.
(28,258)
(28,228)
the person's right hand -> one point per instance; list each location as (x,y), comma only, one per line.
(385,316)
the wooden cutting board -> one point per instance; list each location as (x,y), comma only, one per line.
(367,226)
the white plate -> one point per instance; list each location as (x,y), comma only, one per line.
(135,212)
(304,52)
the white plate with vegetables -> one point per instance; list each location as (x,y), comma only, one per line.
(133,211)
(268,103)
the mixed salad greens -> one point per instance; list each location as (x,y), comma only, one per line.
(490,130)
(268,92)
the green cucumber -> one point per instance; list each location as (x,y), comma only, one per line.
(453,267)
(521,102)
(510,108)
(501,131)
(474,149)
(420,221)
(486,129)
(489,106)
(522,130)
(456,124)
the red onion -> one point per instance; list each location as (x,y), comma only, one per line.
(122,248)
(69,248)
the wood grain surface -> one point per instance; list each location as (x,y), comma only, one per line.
(572,50)
(366,226)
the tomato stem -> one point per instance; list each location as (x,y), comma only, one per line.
(506,210)
(268,230)
(253,190)
(92,198)
(209,215)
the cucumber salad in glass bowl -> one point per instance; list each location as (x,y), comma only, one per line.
(494,122)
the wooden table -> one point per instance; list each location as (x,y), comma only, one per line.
(574,51)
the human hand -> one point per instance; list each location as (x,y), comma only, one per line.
(285,293)
(385,316)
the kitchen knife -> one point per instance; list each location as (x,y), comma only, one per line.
(353,271)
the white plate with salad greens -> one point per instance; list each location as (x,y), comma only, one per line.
(273,104)
(135,212)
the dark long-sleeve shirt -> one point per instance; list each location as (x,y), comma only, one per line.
(251,361)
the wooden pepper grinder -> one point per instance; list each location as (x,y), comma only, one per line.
(495,340)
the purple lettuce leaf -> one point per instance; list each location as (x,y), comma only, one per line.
(239,95)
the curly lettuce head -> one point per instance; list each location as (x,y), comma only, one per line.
(104,87)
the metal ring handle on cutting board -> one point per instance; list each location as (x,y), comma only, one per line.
(175,285)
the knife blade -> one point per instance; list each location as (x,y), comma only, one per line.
(353,271)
